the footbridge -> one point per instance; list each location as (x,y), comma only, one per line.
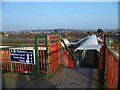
(57,64)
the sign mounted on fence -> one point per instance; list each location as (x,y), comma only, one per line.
(22,56)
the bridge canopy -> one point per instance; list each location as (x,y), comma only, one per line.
(66,42)
(90,43)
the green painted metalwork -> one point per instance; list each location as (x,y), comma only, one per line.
(37,36)
(11,66)
(118,85)
(60,51)
(17,46)
(107,41)
(36,55)
(106,44)
(47,56)
(54,34)
(66,47)
(47,43)
(50,74)
(78,57)
(22,73)
(104,67)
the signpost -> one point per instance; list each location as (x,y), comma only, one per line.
(22,56)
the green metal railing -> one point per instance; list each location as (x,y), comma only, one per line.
(110,65)
(70,53)
(9,66)
(47,45)
(48,56)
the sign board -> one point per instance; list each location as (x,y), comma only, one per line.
(22,56)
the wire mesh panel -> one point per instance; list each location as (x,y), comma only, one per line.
(67,59)
(22,67)
(54,57)
(48,53)
(54,52)
(109,65)
(5,59)
(102,61)
(42,58)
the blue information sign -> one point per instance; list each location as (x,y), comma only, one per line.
(23,56)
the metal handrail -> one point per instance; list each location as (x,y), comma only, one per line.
(67,48)
(81,58)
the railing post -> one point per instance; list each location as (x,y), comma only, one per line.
(106,53)
(104,57)
(10,64)
(66,47)
(47,54)
(60,51)
(107,41)
(37,67)
(118,85)
(78,59)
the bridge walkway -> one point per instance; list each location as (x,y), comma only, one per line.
(86,76)
(63,78)
(76,78)
(91,59)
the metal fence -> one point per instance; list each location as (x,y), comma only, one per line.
(8,65)
(111,70)
(67,59)
(109,66)
(48,56)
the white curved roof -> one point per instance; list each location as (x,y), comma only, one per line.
(90,44)
(75,43)
(82,39)
(66,42)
